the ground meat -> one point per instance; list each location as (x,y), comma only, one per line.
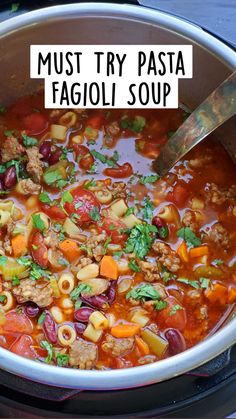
(96,245)
(39,292)
(83,354)
(147,359)
(52,239)
(150,270)
(113,129)
(219,235)
(219,196)
(34,165)
(117,347)
(118,190)
(11,149)
(199,162)
(28,187)
(84,262)
(167,256)
(190,220)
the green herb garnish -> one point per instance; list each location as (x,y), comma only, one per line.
(148,179)
(189,282)
(3,260)
(41,318)
(45,198)
(133,265)
(15,281)
(204,282)
(50,350)
(62,360)
(143,293)
(15,7)
(2,298)
(29,141)
(174,309)
(189,237)
(77,291)
(94,214)
(140,239)
(38,222)
(160,305)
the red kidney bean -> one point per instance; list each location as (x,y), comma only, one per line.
(80,328)
(55,157)
(98,301)
(176,341)
(49,328)
(10,178)
(45,150)
(1,184)
(83,313)
(111,292)
(176,292)
(158,222)
(31,310)
(162,229)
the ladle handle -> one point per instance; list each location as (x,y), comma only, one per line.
(216,109)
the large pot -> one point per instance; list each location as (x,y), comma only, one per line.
(115,24)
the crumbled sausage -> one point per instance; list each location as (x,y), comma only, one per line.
(147,359)
(117,347)
(52,240)
(28,187)
(198,163)
(39,292)
(11,149)
(96,245)
(34,165)
(113,129)
(83,354)
(150,270)
(219,196)
(118,190)
(219,235)
(190,220)
(167,256)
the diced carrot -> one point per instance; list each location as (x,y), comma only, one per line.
(232,294)
(19,245)
(143,346)
(217,294)
(196,252)
(125,330)
(109,268)
(0,284)
(70,249)
(183,252)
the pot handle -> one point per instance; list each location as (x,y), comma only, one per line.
(214,366)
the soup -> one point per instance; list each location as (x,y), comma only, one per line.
(103,264)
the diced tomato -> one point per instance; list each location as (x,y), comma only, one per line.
(114,229)
(179,195)
(24,347)
(21,108)
(35,123)
(95,121)
(39,250)
(54,212)
(17,323)
(174,315)
(83,156)
(123,171)
(83,202)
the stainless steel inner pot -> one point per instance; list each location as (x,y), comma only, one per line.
(116,24)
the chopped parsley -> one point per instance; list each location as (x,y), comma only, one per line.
(29,141)
(118,254)
(2,109)
(133,265)
(24,260)
(217,262)
(189,237)
(140,240)
(89,184)
(50,350)
(189,282)
(45,198)
(148,179)
(204,282)
(9,132)
(174,309)
(41,318)
(108,240)
(160,305)
(77,291)
(129,211)
(36,272)
(109,161)
(143,293)
(3,260)
(63,262)
(54,178)
(38,222)
(94,214)
(136,125)
(65,151)
(148,209)
(66,197)
(2,298)
(62,360)
(15,281)
(15,7)
(167,276)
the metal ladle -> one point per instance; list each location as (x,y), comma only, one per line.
(219,106)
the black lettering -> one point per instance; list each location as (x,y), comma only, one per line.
(93,92)
(58,62)
(120,62)
(113,94)
(141,61)
(180,64)
(78,54)
(163,71)
(166,91)
(75,95)
(67,57)
(54,90)
(143,90)
(98,54)
(110,63)
(44,61)
(131,86)
(152,64)
(64,94)
(171,54)
(156,92)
